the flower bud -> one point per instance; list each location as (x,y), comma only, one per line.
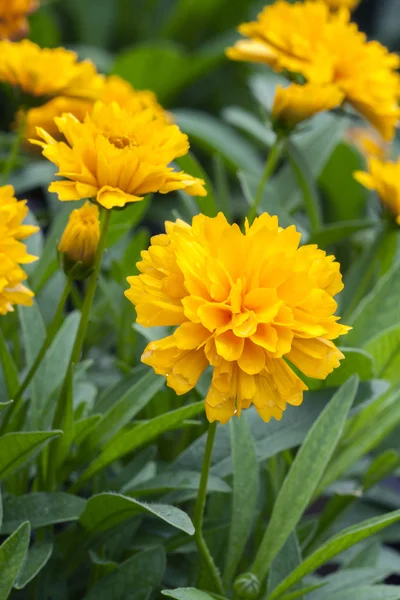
(247,586)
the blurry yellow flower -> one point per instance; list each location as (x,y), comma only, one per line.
(296,103)
(326,48)
(115,90)
(336,4)
(81,235)
(13,251)
(244,303)
(13,13)
(48,72)
(368,142)
(384,178)
(116,157)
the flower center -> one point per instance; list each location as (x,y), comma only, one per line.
(122,141)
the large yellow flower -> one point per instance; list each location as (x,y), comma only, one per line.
(13,13)
(115,89)
(384,177)
(245,303)
(13,251)
(326,48)
(116,157)
(296,103)
(48,72)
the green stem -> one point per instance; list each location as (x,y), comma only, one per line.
(91,288)
(15,409)
(14,150)
(270,165)
(199,512)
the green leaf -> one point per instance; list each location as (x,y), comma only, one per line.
(245,493)
(385,348)
(213,135)
(376,592)
(36,559)
(125,408)
(108,509)
(206,204)
(18,448)
(133,579)
(336,232)
(41,509)
(10,370)
(357,362)
(124,220)
(285,562)
(126,442)
(12,555)
(179,480)
(248,123)
(380,468)
(378,311)
(305,473)
(347,578)
(334,546)
(187,594)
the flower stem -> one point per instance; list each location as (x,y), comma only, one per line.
(270,165)
(14,150)
(12,420)
(91,288)
(199,512)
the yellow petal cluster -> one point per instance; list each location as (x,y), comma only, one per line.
(81,236)
(297,103)
(249,304)
(13,252)
(48,72)
(117,157)
(326,48)
(115,89)
(13,13)
(384,178)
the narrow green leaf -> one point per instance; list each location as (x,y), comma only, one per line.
(187,594)
(380,468)
(122,221)
(17,448)
(40,509)
(334,546)
(385,348)
(134,579)
(12,555)
(247,122)
(376,592)
(206,204)
(336,232)
(10,371)
(36,559)
(305,473)
(179,480)
(288,559)
(348,578)
(126,442)
(108,509)
(245,493)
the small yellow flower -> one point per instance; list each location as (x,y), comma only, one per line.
(116,157)
(13,251)
(326,48)
(296,103)
(81,235)
(13,13)
(368,142)
(384,178)
(48,72)
(248,304)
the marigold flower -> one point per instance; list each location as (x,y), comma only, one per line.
(326,48)
(244,303)
(13,13)
(368,142)
(384,177)
(48,72)
(117,157)
(296,103)
(81,235)
(13,251)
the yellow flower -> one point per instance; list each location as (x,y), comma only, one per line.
(384,177)
(13,15)
(116,157)
(244,303)
(326,48)
(299,102)
(368,142)
(115,89)
(48,72)
(13,251)
(81,235)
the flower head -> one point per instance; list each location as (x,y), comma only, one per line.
(326,48)
(117,157)
(81,235)
(13,15)
(384,177)
(46,72)
(13,251)
(299,102)
(244,303)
